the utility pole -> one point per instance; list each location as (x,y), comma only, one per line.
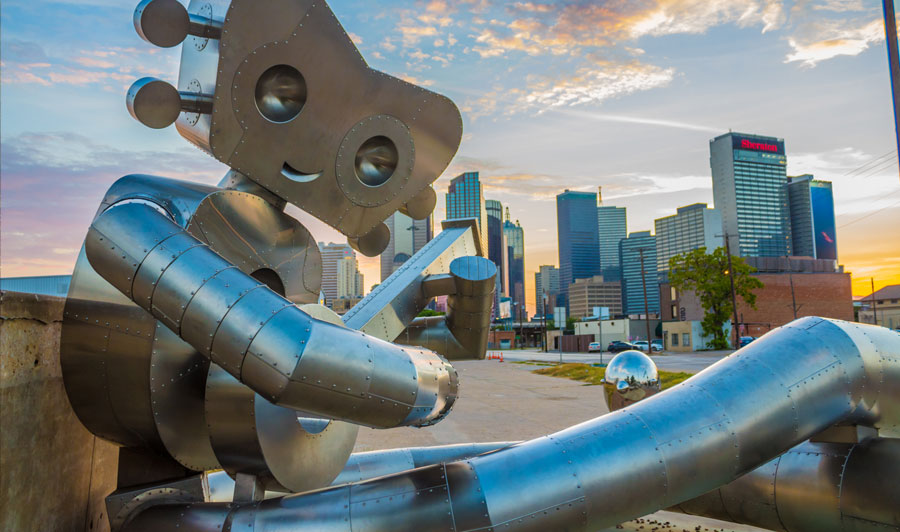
(646,305)
(890,31)
(735,333)
(544,322)
(874,303)
(793,297)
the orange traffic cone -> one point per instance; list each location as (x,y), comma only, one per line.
(501,356)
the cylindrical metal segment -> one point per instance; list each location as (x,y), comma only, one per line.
(827,487)
(704,433)
(261,338)
(372,464)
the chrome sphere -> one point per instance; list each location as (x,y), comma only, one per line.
(630,377)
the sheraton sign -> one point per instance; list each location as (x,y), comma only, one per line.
(770,146)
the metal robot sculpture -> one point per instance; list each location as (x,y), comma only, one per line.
(192,337)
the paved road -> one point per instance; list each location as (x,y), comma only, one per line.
(507,402)
(687,362)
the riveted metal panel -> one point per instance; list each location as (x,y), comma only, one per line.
(230,415)
(416,500)
(751,498)
(177,388)
(281,341)
(553,494)
(695,438)
(252,234)
(341,92)
(327,363)
(180,282)
(870,491)
(602,463)
(810,478)
(154,264)
(204,313)
(239,325)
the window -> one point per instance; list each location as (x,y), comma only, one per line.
(674,312)
(894,301)
(686,339)
(673,293)
(674,339)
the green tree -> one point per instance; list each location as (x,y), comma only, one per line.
(707,275)
(428,313)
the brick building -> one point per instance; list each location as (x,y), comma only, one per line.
(818,288)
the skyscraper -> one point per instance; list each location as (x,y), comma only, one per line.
(612,227)
(349,279)
(812,218)
(749,187)
(515,245)
(332,255)
(408,236)
(579,250)
(630,251)
(497,253)
(497,242)
(465,199)
(546,283)
(694,226)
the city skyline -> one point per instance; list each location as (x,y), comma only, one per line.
(553,95)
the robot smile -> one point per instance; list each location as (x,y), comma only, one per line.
(297,176)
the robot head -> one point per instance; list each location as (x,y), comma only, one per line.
(278,91)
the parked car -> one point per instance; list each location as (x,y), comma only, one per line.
(657,345)
(594,347)
(641,345)
(745,340)
(618,347)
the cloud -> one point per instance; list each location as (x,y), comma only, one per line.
(593,84)
(604,117)
(52,184)
(107,67)
(828,39)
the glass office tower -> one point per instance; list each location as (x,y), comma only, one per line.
(812,218)
(515,245)
(612,228)
(692,227)
(465,199)
(630,252)
(579,250)
(750,190)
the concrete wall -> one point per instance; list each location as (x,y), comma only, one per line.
(54,474)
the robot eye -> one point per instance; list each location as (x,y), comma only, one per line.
(376,161)
(281,93)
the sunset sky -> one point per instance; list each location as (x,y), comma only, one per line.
(554,94)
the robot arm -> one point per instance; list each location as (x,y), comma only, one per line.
(261,338)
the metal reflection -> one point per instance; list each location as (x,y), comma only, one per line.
(631,376)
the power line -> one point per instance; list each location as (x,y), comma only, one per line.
(873,213)
(876,169)
(876,160)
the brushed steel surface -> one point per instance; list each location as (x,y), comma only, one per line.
(267,342)
(828,487)
(667,449)
(393,304)
(297,109)
(371,464)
